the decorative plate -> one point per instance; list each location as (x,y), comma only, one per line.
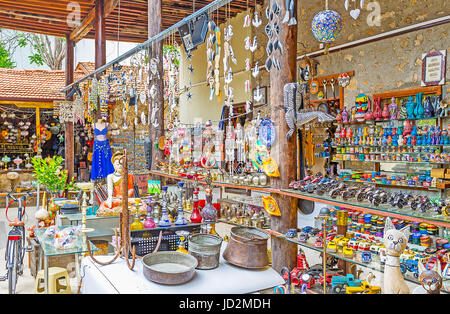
(266,132)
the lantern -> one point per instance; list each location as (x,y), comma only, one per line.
(326,26)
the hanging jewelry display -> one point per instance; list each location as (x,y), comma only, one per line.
(103,93)
(197,151)
(210,57)
(78,110)
(93,94)
(240,144)
(229,145)
(186,147)
(228,73)
(208,160)
(218,146)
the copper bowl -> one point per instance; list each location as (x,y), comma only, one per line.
(247,248)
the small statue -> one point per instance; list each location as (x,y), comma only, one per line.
(410,105)
(418,110)
(428,111)
(393,109)
(395,242)
(353,117)
(377,113)
(345,115)
(407,128)
(400,140)
(401,112)
(431,279)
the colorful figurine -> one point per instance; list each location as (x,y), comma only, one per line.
(361,104)
(377,113)
(428,110)
(393,109)
(410,106)
(418,110)
(345,115)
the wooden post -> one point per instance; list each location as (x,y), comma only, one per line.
(100,39)
(156,49)
(69,136)
(284,151)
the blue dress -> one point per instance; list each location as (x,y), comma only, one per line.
(101,156)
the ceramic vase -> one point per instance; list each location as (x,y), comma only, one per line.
(377,113)
(385,112)
(428,110)
(410,105)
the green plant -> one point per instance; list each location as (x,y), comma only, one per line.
(49,173)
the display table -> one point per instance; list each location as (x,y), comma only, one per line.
(48,249)
(227,279)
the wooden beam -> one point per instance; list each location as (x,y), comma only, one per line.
(28,103)
(154,28)
(284,151)
(100,39)
(88,23)
(69,133)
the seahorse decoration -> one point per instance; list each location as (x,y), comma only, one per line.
(293,96)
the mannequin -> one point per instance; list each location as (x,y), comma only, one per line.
(112,206)
(101,157)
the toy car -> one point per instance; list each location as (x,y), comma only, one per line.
(363,288)
(291,233)
(410,265)
(353,243)
(347,251)
(303,236)
(329,278)
(382,254)
(363,246)
(307,229)
(318,243)
(366,257)
(339,283)
(332,247)
(342,241)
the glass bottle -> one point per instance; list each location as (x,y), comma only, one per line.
(137,223)
(149,223)
(181,220)
(195,216)
(209,212)
(164,221)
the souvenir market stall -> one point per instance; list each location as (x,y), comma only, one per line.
(210,141)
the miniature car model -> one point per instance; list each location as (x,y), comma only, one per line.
(318,243)
(363,288)
(329,278)
(332,247)
(339,283)
(363,246)
(366,257)
(410,265)
(303,236)
(382,254)
(347,251)
(353,243)
(307,229)
(291,233)
(342,241)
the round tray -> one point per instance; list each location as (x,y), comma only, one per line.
(170,268)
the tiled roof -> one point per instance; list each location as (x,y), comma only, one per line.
(37,85)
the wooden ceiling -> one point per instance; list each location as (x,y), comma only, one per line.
(49,17)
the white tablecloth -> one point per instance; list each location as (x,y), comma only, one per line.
(226,279)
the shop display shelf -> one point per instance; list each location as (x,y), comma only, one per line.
(418,119)
(100,232)
(416,187)
(383,209)
(375,264)
(174,227)
(233,201)
(396,162)
(79,217)
(401,146)
(215,183)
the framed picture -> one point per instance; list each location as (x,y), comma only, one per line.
(433,68)
(259,95)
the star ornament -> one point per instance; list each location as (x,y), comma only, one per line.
(189,95)
(189,56)
(191,69)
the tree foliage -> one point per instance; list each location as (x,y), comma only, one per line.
(45,49)
(5,58)
(49,173)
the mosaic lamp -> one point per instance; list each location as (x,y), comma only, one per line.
(326,26)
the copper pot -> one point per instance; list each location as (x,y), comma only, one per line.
(247,248)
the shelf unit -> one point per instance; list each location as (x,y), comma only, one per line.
(381,210)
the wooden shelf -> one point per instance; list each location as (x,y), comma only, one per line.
(352,204)
(324,100)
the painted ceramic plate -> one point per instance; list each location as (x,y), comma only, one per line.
(266,132)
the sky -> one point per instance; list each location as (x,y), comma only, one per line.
(84,52)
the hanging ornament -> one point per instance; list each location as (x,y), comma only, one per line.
(256,20)
(326,26)
(271,206)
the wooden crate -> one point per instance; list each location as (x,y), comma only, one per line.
(64,261)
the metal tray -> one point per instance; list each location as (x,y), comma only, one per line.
(170,268)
